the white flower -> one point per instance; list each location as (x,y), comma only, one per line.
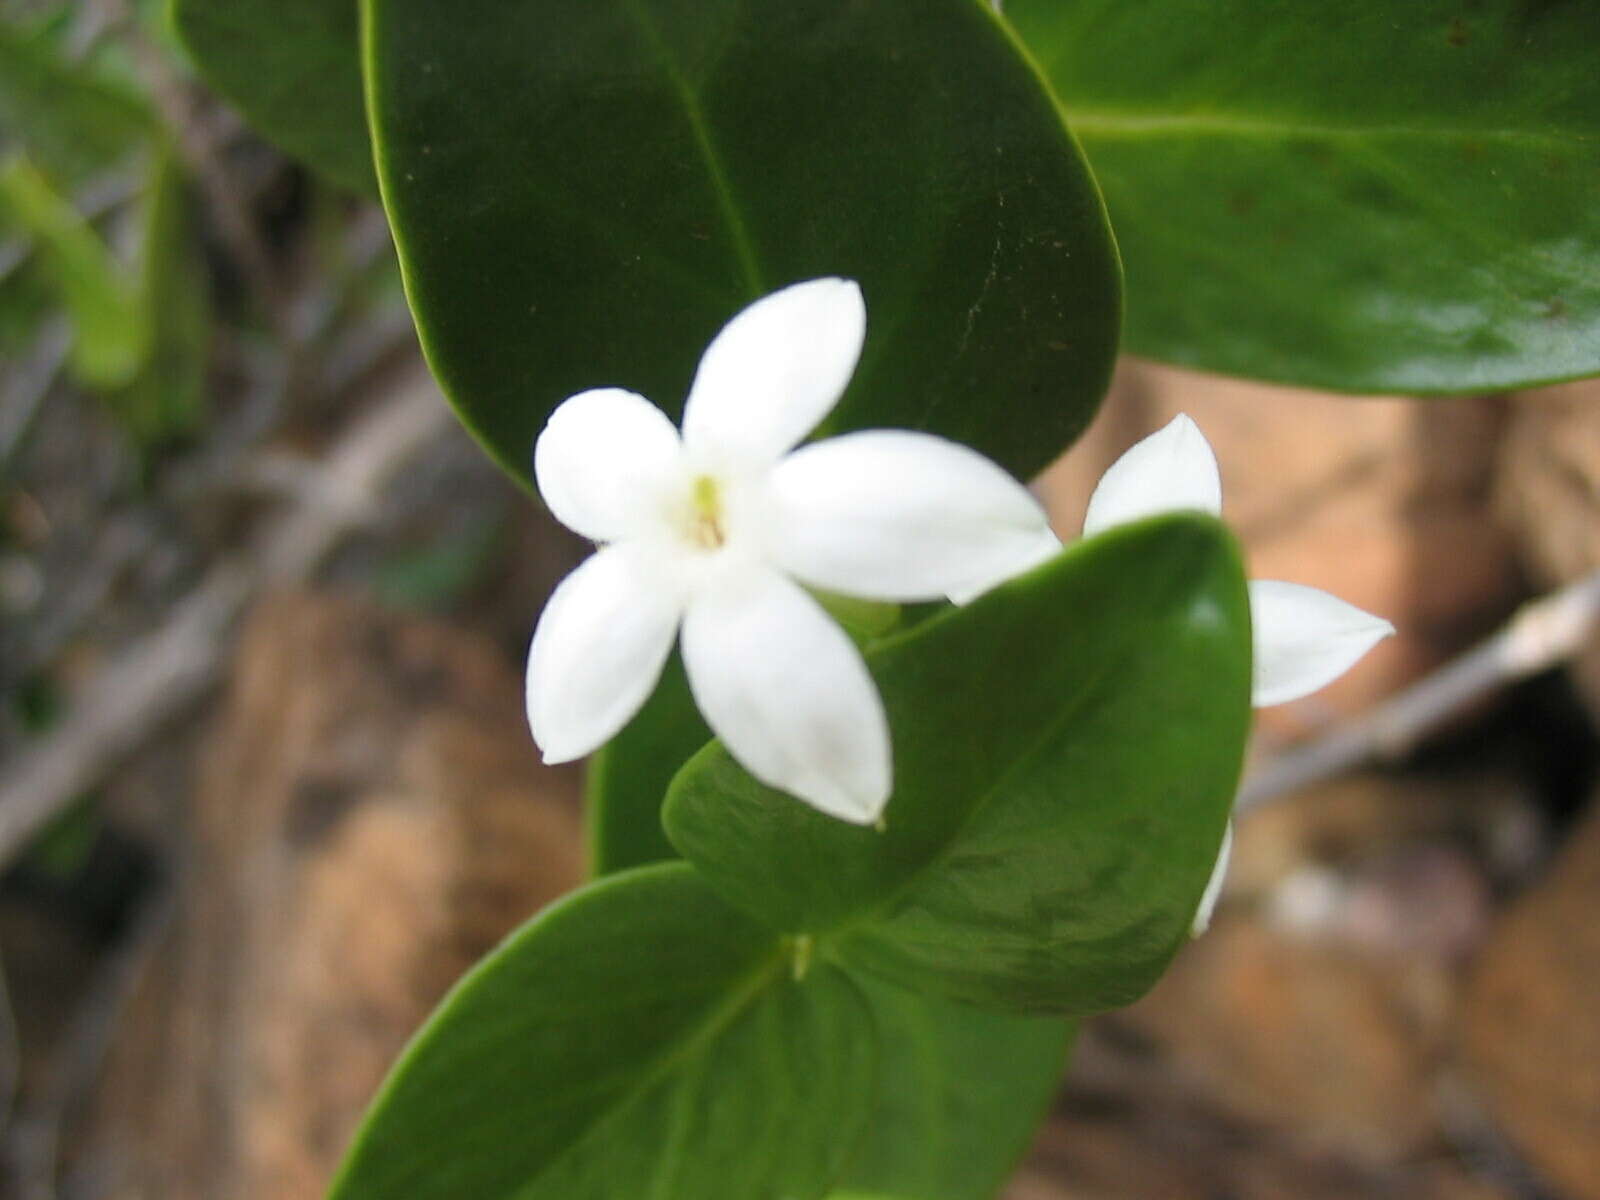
(713,533)
(1304,638)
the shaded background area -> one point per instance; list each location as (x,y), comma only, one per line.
(260,657)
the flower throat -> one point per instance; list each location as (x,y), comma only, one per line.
(705,525)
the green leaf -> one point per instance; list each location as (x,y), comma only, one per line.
(77,123)
(864,620)
(69,119)
(584,191)
(293,67)
(960,1093)
(628,778)
(111,330)
(140,335)
(1066,753)
(168,396)
(1369,196)
(639,1038)
(960,1090)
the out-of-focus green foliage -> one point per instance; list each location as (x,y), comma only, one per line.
(111,335)
(72,120)
(140,315)
(436,573)
(167,397)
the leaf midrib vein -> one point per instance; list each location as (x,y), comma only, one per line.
(1114,123)
(743,247)
(745,991)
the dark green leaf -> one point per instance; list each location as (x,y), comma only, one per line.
(1369,196)
(638,1039)
(1066,752)
(294,69)
(584,191)
(960,1092)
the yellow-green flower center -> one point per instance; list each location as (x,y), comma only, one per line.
(706,517)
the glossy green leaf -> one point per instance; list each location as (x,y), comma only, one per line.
(111,329)
(293,67)
(1370,196)
(960,1093)
(1066,753)
(584,191)
(640,1038)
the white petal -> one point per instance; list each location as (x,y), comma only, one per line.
(598,650)
(1029,555)
(893,515)
(1305,639)
(1213,892)
(602,461)
(788,694)
(775,370)
(1171,470)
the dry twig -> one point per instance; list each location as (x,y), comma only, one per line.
(34,1138)
(1544,634)
(160,676)
(30,385)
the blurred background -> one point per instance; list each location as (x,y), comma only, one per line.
(266,788)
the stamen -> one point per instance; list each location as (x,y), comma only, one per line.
(705,528)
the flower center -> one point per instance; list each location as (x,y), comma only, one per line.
(706,514)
